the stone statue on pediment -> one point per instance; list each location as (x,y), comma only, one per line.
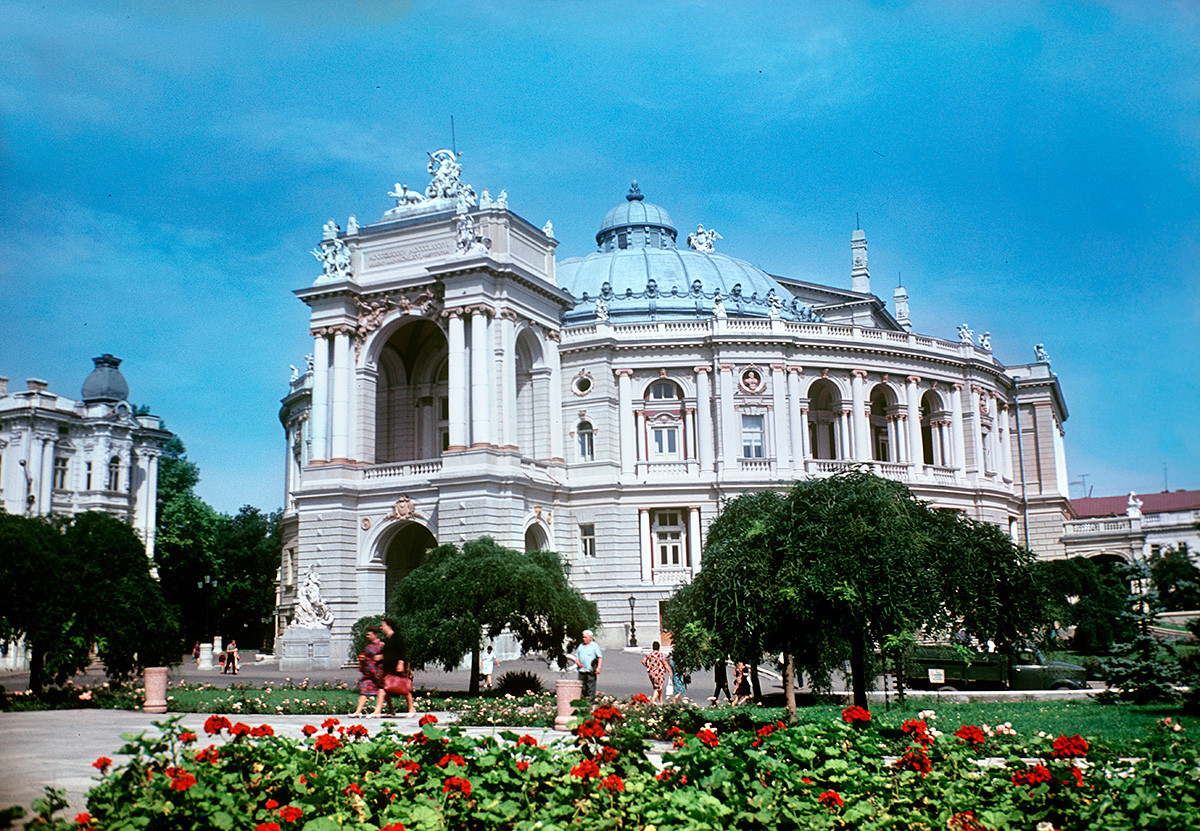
(330,230)
(965,335)
(334,257)
(1040,354)
(702,240)
(311,611)
(985,342)
(352,225)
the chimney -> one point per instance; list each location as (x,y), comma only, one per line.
(860,278)
(36,385)
(3,385)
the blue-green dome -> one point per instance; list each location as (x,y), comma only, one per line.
(638,274)
(106,383)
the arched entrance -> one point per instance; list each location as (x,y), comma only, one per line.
(405,552)
(535,538)
(412,395)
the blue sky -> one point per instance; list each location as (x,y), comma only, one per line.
(1032,169)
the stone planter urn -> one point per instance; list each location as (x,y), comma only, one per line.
(156,690)
(567,690)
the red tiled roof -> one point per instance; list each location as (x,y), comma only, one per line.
(1152,503)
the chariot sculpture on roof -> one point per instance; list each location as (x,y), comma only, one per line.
(447,182)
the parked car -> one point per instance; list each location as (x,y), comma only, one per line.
(943,666)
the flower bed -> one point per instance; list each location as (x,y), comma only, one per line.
(854,772)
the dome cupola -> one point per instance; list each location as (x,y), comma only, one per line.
(106,383)
(636,224)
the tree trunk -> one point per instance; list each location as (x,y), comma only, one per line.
(755,687)
(858,668)
(37,663)
(473,689)
(789,686)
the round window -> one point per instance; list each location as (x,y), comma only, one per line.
(583,384)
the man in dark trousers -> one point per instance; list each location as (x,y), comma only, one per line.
(722,683)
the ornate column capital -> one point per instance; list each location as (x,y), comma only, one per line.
(778,367)
(958,386)
(509,314)
(859,373)
(702,370)
(554,335)
(797,370)
(725,367)
(455,312)
(623,373)
(914,379)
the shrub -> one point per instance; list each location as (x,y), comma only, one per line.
(358,635)
(519,682)
(1141,672)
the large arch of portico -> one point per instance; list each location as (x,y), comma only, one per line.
(828,421)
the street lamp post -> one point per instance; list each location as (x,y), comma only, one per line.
(632,622)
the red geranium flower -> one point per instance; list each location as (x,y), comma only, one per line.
(456,784)
(1078,774)
(608,755)
(708,737)
(1033,776)
(267,826)
(240,729)
(271,805)
(971,734)
(522,766)
(856,716)
(215,724)
(352,788)
(452,758)
(187,737)
(831,799)
(428,718)
(262,730)
(102,764)
(666,774)
(639,698)
(182,782)
(83,819)
(357,731)
(965,821)
(586,769)
(408,765)
(329,724)
(915,759)
(328,741)
(527,740)
(290,813)
(590,730)
(1066,747)
(607,712)
(395,826)
(612,783)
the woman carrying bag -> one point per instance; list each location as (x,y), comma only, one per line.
(397,679)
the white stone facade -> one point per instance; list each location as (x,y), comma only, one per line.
(604,406)
(63,457)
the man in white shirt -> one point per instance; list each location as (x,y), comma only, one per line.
(588,658)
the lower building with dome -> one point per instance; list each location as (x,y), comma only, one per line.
(466,381)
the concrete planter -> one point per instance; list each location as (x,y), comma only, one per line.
(156,690)
(567,690)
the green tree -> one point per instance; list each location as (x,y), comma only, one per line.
(184,553)
(1176,579)
(79,583)
(246,555)
(1094,597)
(844,567)
(445,606)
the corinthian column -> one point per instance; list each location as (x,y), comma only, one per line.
(481,379)
(916,452)
(704,428)
(341,396)
(956,424)
(456,339)
(625,414)
(862,446)
(320,397)
(553,338)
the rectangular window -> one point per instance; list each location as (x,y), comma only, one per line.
(752,437)
(60,473)
(665,441)
(114,474)
(670,538)
(587,447)
(87,479)
(587,540)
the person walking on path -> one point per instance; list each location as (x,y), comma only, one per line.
(588,659)
(395,665)
(487,665)
(231,658)
(721,679)
(370,667)
(657,668)
(741,684)
(679,680)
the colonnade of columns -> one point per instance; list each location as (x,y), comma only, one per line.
(789,416)
(481,372)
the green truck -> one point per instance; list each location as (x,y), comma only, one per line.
(947,667)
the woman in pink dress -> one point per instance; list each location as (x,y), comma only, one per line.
(657,668)
(370,666)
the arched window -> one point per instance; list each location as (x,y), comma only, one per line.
(114,473)
(585,439)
